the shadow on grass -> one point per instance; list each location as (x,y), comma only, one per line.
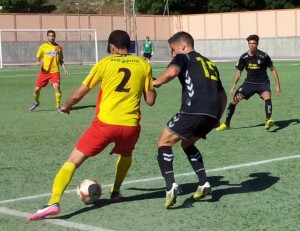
(42,110)
(155,193)
(82,107)
(73,108)
(259,181)
(279,125)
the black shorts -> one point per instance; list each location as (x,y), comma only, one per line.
(147,55)
(248,89)
(187,126)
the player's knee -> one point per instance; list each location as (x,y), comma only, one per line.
(236,99)
(268,101)
(266,97)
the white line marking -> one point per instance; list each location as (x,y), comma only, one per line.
(35,68)
(80,226)
(63,223)
(34,75)
(160,178)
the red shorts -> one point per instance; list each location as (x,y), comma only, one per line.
(99,135)
(43,79)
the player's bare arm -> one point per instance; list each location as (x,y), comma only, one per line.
(149,97)
(65,68)
(74,98)
(237,77)
(62,63)
(38,61)
(276,77)
(167,76)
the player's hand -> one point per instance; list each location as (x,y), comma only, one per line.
(152,53)
(278,91)
(155,84)
(37,63)
(65,110)
(66,72)
(142,52)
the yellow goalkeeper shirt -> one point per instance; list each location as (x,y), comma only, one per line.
(123,79)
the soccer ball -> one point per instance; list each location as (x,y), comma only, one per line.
(89,191)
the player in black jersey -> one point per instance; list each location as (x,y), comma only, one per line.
(203,103)
(257,81)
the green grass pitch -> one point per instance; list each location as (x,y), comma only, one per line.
(254,172)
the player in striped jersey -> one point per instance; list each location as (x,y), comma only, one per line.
(124,79)
(49,57)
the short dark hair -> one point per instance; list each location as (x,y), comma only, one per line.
(182,36)
(253,37)
(120,39)
(51,31)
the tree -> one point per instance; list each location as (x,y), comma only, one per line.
(28,6)
(150,7)
(175,6)
(154,7)
(215,6)
(275,4)
(282,4)
(243,5)
(254,5)
(188,6)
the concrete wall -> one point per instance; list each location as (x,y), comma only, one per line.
(218,36)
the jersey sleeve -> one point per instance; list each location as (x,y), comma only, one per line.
(60,54)
(240,64)
(149,83)
(269,61)
(180,60)
(40,52)
(94,77)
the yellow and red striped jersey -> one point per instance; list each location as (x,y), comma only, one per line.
(123,79)
(51,55)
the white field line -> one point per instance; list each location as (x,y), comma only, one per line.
(85,73)
(160,178)
(35,68)
(64,223)
(81,226)
(34,75)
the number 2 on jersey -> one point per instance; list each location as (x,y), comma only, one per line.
(121,86)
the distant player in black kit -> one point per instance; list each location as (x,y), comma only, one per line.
(257,81)
(203,103)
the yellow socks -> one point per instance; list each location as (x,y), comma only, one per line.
(36,96)
(61,181)
(58,99)
(122,166)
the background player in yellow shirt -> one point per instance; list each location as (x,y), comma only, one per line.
(49,57)
(124,79)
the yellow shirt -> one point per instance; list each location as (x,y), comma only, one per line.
(51,55)
(123,79)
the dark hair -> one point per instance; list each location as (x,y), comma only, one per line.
(253,37)
(51,31)
(182,36)
(120,39)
